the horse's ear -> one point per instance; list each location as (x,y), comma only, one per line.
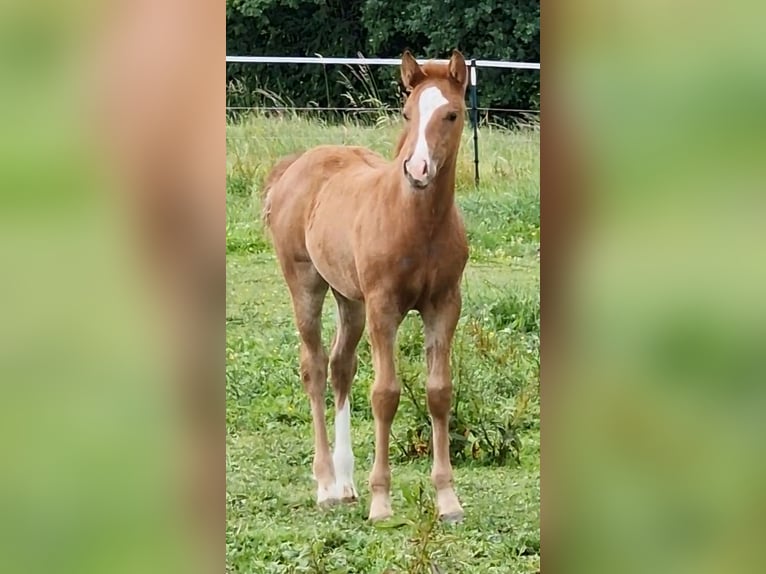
(412,73)
(457,69)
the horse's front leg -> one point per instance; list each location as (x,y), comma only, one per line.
(440,320)
(382,322)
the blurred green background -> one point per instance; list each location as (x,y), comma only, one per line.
(89,432)
(659,433)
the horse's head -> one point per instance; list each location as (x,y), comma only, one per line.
(434,113)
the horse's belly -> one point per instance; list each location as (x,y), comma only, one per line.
(342,278)
(334,260)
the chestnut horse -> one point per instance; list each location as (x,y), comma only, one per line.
(386,238)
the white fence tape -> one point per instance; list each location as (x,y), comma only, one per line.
(367,61)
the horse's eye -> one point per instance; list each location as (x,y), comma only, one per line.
(406,116)
(452,116)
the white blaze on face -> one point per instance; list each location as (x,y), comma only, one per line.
(343,456)
(420,164)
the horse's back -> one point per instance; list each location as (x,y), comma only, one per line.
(333,160)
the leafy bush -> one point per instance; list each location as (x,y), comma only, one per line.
(482,429)
(483,29)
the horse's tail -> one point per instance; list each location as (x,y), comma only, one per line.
(271,179)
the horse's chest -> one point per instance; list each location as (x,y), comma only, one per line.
(423,273)
(412,264)
(427,260)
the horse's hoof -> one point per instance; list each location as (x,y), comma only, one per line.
(349,495)
(452,517)
(380,509)
(328,497)
(328,503)
(380,517)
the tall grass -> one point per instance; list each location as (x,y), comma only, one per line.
(502,213)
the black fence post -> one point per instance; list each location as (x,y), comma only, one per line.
(474,100)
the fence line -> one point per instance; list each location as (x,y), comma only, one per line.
(472,65)
(358,109)
(260,138)
(368,61)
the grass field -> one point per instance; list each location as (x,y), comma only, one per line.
(273,524)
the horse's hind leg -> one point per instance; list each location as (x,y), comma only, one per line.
(343,365)
(308,290)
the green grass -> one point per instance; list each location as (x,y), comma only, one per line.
(273,524)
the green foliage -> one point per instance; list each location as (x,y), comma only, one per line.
(484,29)
(290,28)
(491,359)
(426,538)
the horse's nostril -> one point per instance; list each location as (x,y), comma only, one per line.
(425,168)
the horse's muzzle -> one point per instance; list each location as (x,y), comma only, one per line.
(416,182)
